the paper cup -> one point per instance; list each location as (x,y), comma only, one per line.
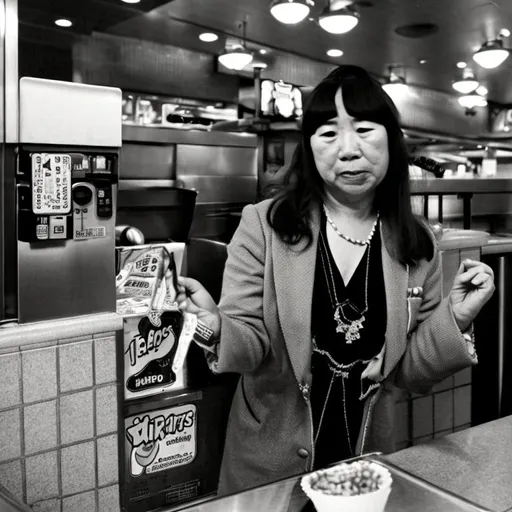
(374,501)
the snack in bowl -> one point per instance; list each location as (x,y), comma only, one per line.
(361,486)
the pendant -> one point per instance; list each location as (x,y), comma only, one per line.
(350,329)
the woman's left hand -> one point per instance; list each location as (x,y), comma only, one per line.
(472,288)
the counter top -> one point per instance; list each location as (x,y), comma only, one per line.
(475,463)
(466,471)
(448,186)
(14,335)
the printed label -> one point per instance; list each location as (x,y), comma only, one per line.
(161,440)
(87,234)
(150,351)
(51,184)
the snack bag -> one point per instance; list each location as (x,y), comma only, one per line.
(153,325)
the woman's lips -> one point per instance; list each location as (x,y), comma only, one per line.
(352,173)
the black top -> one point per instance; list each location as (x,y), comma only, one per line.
(333,443)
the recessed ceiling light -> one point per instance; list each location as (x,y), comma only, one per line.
(461,65)
(63,23)
(263,51)
(505,32)
(208,37)
(423,61)
(334,52)
(130,1)
(479,146)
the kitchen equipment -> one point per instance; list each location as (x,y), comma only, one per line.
(173,447)
(66,184)
(161,214)
(205,260)
(128,235)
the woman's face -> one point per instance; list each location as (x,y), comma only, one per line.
(351,155)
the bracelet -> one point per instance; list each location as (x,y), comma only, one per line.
(470,343)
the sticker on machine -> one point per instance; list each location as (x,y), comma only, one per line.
(88,233)
(51,184)
(161,440)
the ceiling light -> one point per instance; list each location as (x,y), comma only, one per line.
(338,20)
(395,84)
(482,90)
(468,83)
(461,65)
(131,1)
(423,61)
(208,37)
(64,23)
(263,51)
(290,12)
(333,52)
(491,54)
(236,58)
(505,32)
(472,100)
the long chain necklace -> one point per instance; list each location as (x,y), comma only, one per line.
(349,327)
(348,317)
(354,241)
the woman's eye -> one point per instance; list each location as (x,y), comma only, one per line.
(364,130)
(330,133)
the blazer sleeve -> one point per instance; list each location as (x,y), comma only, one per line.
(436,348)
(243,342)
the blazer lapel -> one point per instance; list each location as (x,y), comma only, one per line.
(395,282)
(294,279)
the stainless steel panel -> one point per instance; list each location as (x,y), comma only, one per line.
(170,136)
(221,189)
(55,112)
(66,279)
(11,98)
(215,161)
(147,161)
(142,184)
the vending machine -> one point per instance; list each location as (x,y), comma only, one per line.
(66,172)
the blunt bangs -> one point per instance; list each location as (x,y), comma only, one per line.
(363,98)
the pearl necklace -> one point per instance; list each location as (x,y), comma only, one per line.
(354,241)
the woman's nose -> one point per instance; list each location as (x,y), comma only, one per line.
(349,147)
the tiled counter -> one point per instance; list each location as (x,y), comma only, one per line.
(447,408)
(59,414)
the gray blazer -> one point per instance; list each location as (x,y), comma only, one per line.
(266,337)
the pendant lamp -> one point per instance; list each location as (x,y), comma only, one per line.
(337,18)
(291,12)
(467,83)
(471,101)
(395,84)
(237,57)
(491,54)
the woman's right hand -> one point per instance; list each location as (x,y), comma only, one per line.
(193,298)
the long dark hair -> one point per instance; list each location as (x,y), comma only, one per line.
(363,98)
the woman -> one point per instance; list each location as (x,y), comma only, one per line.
(332,296)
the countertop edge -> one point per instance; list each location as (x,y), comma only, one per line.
(40,332)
